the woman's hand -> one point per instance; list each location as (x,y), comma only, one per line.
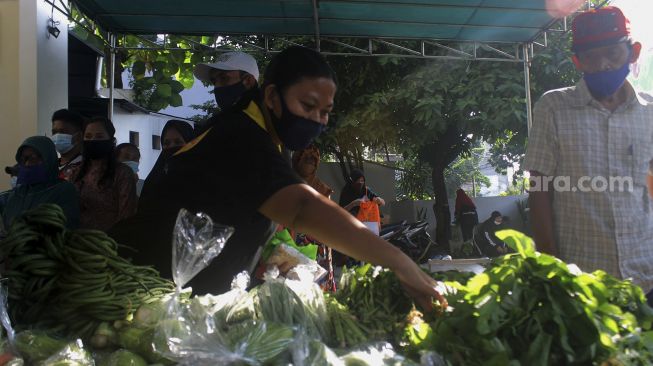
(418,285)
(379,201)
(354,203)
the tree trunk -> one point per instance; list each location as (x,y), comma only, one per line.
(342,164)
(441,207)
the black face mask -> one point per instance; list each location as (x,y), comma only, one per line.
(226,96)
(98,149)
(295,132)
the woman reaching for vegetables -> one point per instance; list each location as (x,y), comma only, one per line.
(235,173)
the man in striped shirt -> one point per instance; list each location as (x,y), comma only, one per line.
(589,154)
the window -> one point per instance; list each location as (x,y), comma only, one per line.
(156,142)
(133,138)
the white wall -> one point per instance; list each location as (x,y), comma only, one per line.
(146,125)
(52,67)
(407,210)
(34,74)
(378,178)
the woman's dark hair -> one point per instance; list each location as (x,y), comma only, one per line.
(184,128)
(294,64)
(109,174)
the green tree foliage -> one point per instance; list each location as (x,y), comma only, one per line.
(465,170)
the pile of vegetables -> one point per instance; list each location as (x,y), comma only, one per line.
(533,309)
(84,305)
(69,281)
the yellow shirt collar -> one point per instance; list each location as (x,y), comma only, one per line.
(252,110)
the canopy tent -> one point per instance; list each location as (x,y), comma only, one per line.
(432,22)
(516,21)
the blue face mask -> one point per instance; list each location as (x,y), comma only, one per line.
(605,83)
(226,96)
(133,165)
(32,174)
(295,132)
(14,182)
(63,142)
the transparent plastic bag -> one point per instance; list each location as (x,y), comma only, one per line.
(376,354)
(196,242)
(7,343)
(300,265)
(4,315)
(311,352)
(299,304)
(73,354)
(188,333)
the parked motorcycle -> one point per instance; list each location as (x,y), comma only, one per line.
(414,240)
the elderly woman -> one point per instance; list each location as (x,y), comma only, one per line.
(305,163)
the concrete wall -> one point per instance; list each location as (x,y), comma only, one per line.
(33,70)
(52,67)
(147,125)
(378,178)
(408,210)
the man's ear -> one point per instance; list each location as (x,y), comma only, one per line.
(577,63)
(270,96)
(637,49)
(249,81)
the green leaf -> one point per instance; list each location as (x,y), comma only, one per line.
(163,90)
(175,100)
(176,86)
(539,350)
(138,69)
(517,241)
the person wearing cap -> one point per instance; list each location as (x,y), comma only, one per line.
(232,75)
(38,183)
(67,129)
(487,241)
(235,173)
(598,137)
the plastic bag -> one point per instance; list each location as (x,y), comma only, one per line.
(188,333)
(377,354)
(311,352)
(7,345)
(301,267)
(196,242)
(73,354)
(299,304)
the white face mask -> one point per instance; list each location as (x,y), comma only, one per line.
(63,142)
(133,165)
(14,182)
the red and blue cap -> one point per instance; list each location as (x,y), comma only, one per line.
(599,27)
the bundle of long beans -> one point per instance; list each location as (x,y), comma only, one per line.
(69,281)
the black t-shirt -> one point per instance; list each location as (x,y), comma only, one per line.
(228,175)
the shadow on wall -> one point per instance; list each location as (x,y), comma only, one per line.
(508,206)
(381,179)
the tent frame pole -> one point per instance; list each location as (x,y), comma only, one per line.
(112,71)
(527,86)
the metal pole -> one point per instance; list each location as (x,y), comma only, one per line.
(112,71)
(316,21)
(527,87)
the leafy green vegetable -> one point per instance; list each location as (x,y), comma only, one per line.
(533,309)
(374,295)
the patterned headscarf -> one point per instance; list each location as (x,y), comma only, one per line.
(310,157)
